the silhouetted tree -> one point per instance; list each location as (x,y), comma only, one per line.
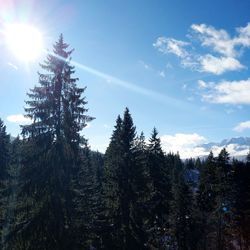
(50,154)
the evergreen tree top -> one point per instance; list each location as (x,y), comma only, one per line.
(128,129)
(223,156)
(57,107)
(248,157)
(155,142)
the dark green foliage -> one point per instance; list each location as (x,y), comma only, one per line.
(182,221)
(4,178)
(207,192)
(223,198)
(57,194)
(241,210)
(57,107)
(206,196)
(86,200)
(160,195)
(124,189)
(44,205)
(4,151)
(45,212)
(97,161)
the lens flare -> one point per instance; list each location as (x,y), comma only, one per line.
(25,41)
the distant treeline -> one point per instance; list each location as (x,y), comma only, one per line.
(57,194)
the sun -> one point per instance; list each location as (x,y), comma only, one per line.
(25,41)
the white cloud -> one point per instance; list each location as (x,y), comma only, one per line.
(242,126)
(171,45)
(218,40)
(244,36)
(234,92)
(224,50)
(18,118)
(233,150)
(191,145)
(186,144)
(219,65)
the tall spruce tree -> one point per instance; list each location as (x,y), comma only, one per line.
(50,154)
(86,201)
(4,151)
(241,208)
(160,198)
(122,180)
(112,176)
(4,167)
(223,199)
(181,219)
(206,200)
(141,207)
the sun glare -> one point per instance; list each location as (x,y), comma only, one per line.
(24,41)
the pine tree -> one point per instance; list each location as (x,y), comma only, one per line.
(112,176)
(50,155)
(142,186)
(97,161)
(182,221)
(123,177)
(57,107)
(86,201)
(4,176)
(4,151)
(160,199)
(241,207)
(127,165)
(223,198)
(206,200)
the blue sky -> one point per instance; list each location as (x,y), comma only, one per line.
(181,66)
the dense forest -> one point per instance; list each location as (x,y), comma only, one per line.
(56,194)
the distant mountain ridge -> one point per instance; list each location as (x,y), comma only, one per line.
(237,147)
(241,141)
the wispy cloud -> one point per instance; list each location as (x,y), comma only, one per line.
(224,50)
(228,92)
(220,41)
(12,65)
(171,45)
(242,126)
(202,84)
(18,118)
(145,65)
(148,67)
